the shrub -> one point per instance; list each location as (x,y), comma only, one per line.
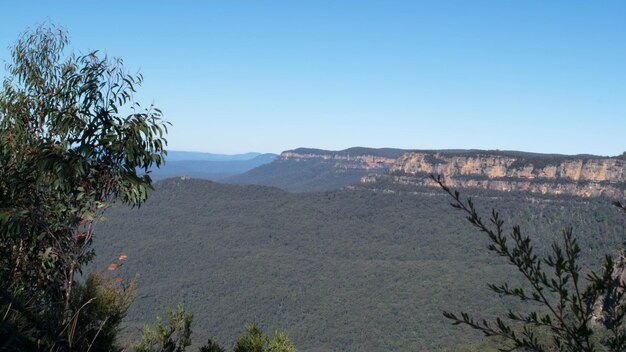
(574,315)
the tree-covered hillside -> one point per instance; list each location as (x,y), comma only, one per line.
(316,170)
(299,176)
(339,270)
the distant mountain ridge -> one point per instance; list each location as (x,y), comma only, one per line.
(209,166)
(310,169)
(178,155)
(354,151)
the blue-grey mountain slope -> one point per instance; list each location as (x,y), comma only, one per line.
(307,169)
(212,167)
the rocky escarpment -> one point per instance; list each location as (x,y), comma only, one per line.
(356,162)
(306,169)
(585,176)
(364,159)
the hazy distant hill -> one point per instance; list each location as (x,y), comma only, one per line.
(346,270)
(177,155)
(209,166)
(307,169)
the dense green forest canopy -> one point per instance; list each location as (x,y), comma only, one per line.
(339,270)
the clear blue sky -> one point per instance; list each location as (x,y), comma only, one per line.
(236,76)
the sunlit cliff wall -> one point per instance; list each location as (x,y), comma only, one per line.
(571,175)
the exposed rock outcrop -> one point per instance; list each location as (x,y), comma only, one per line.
(584,176)
(612,170)
(350,159)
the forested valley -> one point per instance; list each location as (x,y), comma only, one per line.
(339,270)
(104,247)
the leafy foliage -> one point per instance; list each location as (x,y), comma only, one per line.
(172,336)
(71,142)
(102,304)
(211,346)
(255,340)
(567,314)
(175,336)
(280,343)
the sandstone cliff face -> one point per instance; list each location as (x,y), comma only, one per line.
(611,170)
(345,162)
(586,177)
(573,189)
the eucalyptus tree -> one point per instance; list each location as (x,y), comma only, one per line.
(72,142)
